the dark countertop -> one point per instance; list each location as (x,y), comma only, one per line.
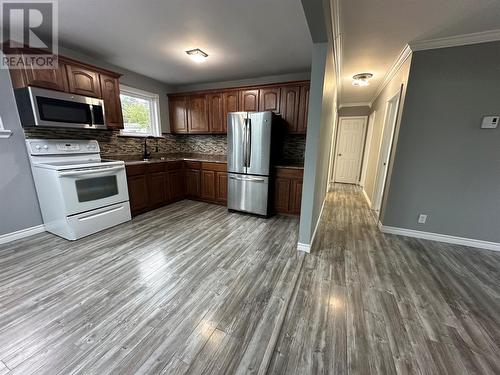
(160,158)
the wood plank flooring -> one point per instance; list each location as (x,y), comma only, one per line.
(192,289)
(369,303)
(189,288)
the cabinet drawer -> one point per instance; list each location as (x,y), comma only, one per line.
(289,173)
(171,165)
(135,169)
(222,167)
(155,167)
(193,164)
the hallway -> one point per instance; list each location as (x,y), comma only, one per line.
(369,303)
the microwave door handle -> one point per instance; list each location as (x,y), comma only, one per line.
(89,172)
(92,120)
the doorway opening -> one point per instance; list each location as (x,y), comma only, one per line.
(349,149)
(391,114)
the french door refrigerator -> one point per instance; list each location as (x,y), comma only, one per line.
(248,161)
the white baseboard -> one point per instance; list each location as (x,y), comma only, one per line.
(4,238)
(440,237)
(367,198)
(306,247)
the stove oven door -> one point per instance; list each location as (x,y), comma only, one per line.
(87,189)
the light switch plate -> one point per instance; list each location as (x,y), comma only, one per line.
(490,122)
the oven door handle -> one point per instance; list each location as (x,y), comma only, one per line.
(90,171)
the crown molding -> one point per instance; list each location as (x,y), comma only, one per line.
(391,72)
(359,104)
(457,40)
(337,46)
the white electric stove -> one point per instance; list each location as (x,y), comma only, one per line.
(79,193)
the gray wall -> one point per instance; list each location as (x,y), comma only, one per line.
(355,111)
(445,165)
(320,124)
(304,76)
(18,203)
(131,79)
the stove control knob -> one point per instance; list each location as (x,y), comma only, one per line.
(45,147)
(88,147)
(38,147)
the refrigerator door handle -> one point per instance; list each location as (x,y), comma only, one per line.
(253,179)
(248,145)
(245,136)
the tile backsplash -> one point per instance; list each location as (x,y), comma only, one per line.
(111,143)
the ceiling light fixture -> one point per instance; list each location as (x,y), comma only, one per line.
(361,79)
(197,55)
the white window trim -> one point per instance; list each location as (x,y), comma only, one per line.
(155,111)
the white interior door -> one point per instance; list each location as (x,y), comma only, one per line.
(385,149)
(349,151)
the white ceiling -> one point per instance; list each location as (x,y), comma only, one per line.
(244,38)
(374,33)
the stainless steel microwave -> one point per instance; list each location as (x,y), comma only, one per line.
(49,108)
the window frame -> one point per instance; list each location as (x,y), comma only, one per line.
(154,99)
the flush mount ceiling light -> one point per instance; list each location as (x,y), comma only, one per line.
(197,55)
(361,79)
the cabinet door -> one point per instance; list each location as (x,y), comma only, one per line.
(249,100)
(138,193)
(270,99)
(83,81)
(54,79)
(290,106)
(303,109)
(176,184)
(295,196)
(230,103)
(198,114)
(156,189)
(216,117)
(110,90)
(208,185)
(193,183)
(221,187)
(281,194)
(178,114)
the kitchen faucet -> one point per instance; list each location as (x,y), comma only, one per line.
(146,155)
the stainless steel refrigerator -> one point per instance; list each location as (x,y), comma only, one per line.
(248,161)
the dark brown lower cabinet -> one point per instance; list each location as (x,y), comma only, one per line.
(221,187)
(193,183)
(152,185)
(288,190)
(138,193)
(157,193)
(207,185)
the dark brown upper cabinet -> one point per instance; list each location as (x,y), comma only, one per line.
(54,79)
(269,99)
(290,96)
(110,90)
(231,103)
(83,81)
(178,114)
(303,108)
(198,114)
(249,100)
(216,117)
(206,111)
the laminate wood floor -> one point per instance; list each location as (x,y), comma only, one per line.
(188,288)
(369,303)
(192,289)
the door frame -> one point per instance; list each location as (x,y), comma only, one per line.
(387,138)
(370,125)
(337,138)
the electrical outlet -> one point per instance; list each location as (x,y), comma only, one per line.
(422,219)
